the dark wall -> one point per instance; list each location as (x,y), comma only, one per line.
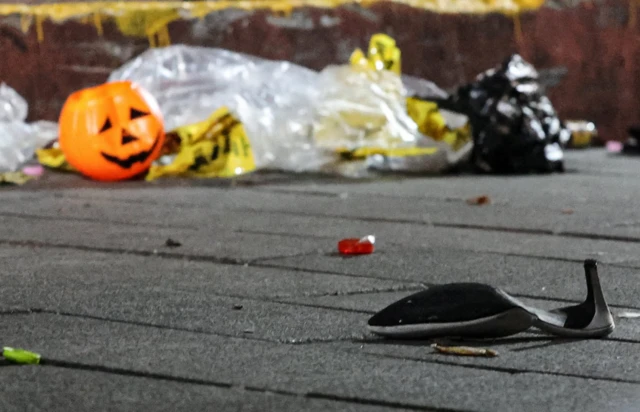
(597,43)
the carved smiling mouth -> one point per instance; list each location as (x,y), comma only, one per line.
(129,161)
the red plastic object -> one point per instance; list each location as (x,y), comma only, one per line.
(354,246)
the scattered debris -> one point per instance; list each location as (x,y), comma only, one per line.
(172,243)
(20,356)
(14,178)
(355,246)
(583,133)
(19,139)
(628,314)
(614,146)
(35,170)
(465,351)
(479,201)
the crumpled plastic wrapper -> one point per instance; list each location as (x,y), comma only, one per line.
(362,108)
(515,127)
(18,139)
(345,119)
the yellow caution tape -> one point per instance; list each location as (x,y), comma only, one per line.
(381,55)
(14,178)
(432,123)
(364,152)
(54,159)
(216,147)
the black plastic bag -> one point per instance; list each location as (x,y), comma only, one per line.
(632,145)
(515,127)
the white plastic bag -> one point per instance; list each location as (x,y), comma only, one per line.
(18,139)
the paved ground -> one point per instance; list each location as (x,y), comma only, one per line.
(256,312)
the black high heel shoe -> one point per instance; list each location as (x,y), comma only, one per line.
(476,310)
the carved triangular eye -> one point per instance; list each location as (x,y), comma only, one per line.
(135,113)
(107,125)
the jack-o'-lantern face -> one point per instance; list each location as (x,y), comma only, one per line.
(111,132)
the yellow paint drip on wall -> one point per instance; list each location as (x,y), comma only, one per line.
(150,19)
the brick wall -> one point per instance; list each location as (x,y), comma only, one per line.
(596,42)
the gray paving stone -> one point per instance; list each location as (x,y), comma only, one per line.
(424,237)
(310,369)
(53,389)
(196,311)
(536,277)
(559,190)
(45,268)
(334,228)
(224,208)
(601,359)
(207,242)
(279,217)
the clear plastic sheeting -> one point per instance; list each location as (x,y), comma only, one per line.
(18,139)
(362,108)
(273,99)
(13,107)
(423,88)
(296,119)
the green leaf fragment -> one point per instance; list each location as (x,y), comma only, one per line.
(20,356)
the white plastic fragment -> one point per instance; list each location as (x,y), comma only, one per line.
(18,139)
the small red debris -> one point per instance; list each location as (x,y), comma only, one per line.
(480,200)
(354,246)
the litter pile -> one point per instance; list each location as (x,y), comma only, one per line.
(204,112)
(18,139)
(515,127)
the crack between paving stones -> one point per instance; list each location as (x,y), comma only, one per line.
(410,247)
(361,338)
(270,258)
(156,253)
(316,193)
(261,263)
(317,395)
(470,226)
(56,363)
(512,371)
(400,288)
(37,311)
(95,220)
(289,341)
